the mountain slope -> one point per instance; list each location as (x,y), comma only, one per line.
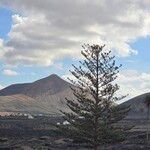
(138,107)
(51,84)
(49,92)
(21,103)
(48,95)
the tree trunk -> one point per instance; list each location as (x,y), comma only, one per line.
(96,104)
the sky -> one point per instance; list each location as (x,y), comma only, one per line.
(39,38)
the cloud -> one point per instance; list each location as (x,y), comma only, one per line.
(9,72)
(1,87)
(2,49)
(68,76)
(133,82)
(50,30)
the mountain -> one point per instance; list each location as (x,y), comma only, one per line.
(51,85)
(21,103)
(138,108)
(49,92)
(48,95)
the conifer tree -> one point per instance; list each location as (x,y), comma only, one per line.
(94,113)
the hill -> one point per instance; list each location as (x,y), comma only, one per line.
(21,103)
(49,92)
(48,95)
(51,85)
(138,107)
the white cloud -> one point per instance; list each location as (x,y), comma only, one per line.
(134,83)
(69,76)
(1,48)
(9,72)
(17,20)
(1,87)
(53,30)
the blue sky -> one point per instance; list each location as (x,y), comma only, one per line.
(22,61)
(5,22)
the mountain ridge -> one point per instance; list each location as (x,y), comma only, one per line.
(53,83)
(49,92)
(138,108)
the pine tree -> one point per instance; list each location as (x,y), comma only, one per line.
(94,113)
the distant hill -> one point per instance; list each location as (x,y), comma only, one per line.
(48,95)
(51,85)
(21,103)
(49,92)
(138,107)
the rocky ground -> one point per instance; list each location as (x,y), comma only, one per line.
(51,143)
(38,134)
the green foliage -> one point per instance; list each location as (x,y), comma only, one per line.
(94,112)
